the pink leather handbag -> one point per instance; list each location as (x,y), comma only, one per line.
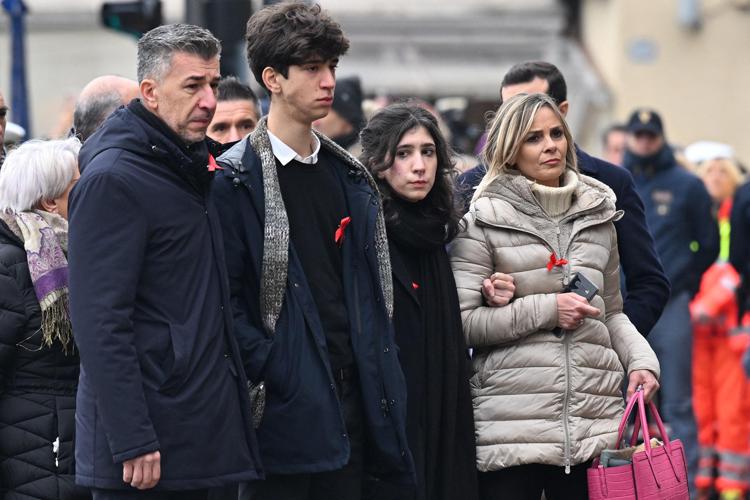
(655,474)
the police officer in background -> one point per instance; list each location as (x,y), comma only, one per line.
(680,215)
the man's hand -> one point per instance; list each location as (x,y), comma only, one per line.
(498,289)
(646,379)
(572,309)
(142,472)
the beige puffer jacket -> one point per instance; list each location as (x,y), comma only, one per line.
(539,398)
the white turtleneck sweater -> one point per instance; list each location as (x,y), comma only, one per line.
(556,200)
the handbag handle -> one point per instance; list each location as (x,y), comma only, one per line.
(641,422)
(624,421)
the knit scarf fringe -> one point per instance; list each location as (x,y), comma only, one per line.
(56,321)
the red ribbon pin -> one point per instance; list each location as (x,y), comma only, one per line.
(212,165)
(339,235)
(553,262)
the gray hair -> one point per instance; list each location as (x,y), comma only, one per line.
(91,112)
(37,170)
(156,48)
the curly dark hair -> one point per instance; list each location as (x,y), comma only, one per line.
(380,140)
(291,33)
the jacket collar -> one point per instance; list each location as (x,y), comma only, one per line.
(649,166)
(285,154)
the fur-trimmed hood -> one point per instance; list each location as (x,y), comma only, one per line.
(276,228)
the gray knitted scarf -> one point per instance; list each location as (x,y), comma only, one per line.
(276,229)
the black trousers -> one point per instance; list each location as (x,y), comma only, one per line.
(528,482)
(225,493)
(341,484)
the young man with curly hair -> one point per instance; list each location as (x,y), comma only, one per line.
(310,277)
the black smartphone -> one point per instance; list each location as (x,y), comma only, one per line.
(582,286)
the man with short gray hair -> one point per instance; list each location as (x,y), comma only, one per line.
(162,401)
(98,99)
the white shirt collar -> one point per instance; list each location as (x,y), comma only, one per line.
(285,154)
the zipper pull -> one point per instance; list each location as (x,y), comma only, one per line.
(567,467)
(56,450)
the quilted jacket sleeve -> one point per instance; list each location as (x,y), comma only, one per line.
(631,347)
(472,262)
(12,317)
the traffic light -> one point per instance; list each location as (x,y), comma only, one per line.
(133,18)
(226,19)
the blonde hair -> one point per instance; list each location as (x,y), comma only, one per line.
(507,133)
(729,166)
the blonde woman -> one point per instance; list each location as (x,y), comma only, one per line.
(549,366)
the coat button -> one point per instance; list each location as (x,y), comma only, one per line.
(333,387)
(403,453)
(236,181)
(296,285)
(387,349)
(344,435)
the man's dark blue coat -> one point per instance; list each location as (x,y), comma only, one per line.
(646,285)
(302,429)
(151,315)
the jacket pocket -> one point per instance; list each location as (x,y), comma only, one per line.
(181,341)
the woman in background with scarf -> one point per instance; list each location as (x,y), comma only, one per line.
(38,359)
(403,148)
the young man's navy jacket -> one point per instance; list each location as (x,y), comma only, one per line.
(151,314)
(303,429)
(680,214)
(647,287)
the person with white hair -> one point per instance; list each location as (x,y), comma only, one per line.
(39,363)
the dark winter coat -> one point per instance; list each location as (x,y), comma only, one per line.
(160,369)
(434,357)
(646,289)
(303,430)
(680,214)
(37,391)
